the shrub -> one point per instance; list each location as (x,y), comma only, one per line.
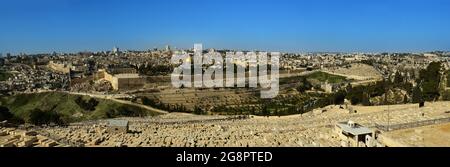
(39,117)
(87,105)
(5,114)
(124,111)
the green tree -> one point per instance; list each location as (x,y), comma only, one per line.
(398,79)
(405,99)
(198,111)
(86,105)
(430,78)
(365,99)
(5,114)
(91,104)
(304,85)
(339,97)
(417,95)
(148,102)
(39,117)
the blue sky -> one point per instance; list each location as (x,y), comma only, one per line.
(32,26)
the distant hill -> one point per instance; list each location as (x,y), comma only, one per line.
(68,108)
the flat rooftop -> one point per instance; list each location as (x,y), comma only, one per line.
(355,130)
(114,122)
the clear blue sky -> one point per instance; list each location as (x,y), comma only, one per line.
(36,26)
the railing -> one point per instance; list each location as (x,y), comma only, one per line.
(412,124)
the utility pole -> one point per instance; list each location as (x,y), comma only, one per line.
(386,100)
(68,87)
(389,116)
(388,104)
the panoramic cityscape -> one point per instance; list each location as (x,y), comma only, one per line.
(85,78)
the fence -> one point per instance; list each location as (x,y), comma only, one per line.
(412,124)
